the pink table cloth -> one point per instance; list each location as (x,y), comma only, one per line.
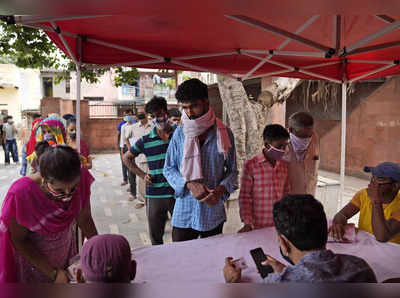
(202,260)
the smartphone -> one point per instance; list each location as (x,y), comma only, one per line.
(258,256)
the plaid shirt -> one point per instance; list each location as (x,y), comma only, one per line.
(261,186)
(189,212)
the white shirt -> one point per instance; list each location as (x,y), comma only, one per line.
(126,132)
(139,130)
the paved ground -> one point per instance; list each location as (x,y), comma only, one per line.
(114,214)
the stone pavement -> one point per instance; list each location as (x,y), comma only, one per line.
(113,213)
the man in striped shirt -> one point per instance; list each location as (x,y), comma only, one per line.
(159,194)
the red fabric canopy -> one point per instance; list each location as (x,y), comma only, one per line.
(312,47)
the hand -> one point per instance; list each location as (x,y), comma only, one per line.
(375,194)
(337,231)
(214,195)
(147,179)
(245,228)
(276,265)
(62,277)
(231,273)
(198,190)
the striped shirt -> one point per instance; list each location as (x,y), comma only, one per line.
(154,148)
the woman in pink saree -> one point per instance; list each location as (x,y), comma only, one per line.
(36,224)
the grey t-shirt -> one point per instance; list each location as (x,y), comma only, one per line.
(325,266)
(10,131)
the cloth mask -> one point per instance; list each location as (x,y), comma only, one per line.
(299,144)
(160,122)
(72,135)
(141,116)
(275,154)
(58,196)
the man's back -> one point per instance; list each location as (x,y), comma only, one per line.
(9,131)
(326,266)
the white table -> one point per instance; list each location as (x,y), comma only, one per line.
(202,260)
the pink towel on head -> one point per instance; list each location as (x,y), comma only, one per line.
(192,129)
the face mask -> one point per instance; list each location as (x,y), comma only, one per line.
(174,125)
(141,116)
(72,135)
(49,137)
(57,196)
(287,259)
(299,144)
(126,118)
(129,119)
(161,122)
(9,121)
(274,153)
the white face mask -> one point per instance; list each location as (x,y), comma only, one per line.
(299,144)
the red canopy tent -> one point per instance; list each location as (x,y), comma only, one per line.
(240,40)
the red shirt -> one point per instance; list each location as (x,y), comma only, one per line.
(261,186)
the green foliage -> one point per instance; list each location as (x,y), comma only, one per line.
(31,48)
(126,75)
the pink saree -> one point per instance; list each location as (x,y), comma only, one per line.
(50,225)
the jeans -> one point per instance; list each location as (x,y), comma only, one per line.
(24,162)
(131,177)
(11,147)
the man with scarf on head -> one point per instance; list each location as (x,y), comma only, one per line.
(200,165)
(265,180)
(159,194)
(302,229)
(303,154)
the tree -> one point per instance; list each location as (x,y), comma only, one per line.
(31,48)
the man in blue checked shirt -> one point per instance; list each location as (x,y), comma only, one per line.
(200,165)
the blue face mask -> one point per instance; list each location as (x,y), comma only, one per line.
(128,118)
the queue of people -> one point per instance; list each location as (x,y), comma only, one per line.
(183,165)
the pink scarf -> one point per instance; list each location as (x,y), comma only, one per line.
(192,129)
(31,208)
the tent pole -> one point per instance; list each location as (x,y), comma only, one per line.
(78,107)
(343,145)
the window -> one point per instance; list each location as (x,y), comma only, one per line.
(47,86)
(67,85)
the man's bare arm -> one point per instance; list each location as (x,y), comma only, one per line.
(129,160)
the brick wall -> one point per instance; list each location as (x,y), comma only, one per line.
(103,134)
(373,127)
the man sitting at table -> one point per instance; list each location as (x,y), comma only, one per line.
(301,225)
(378,204)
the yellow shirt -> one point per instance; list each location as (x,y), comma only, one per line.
(392,210)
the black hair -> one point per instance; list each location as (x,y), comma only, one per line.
(275,132)
(60,163)
(301,120)
(157,103)
(302,220)
(128,111)
(68,116)
(71,121)
(41,147)
(192,90)
(174,112)
(36,115)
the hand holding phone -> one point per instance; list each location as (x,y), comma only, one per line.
(259,257)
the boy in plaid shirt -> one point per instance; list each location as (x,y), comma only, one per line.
(265,180)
